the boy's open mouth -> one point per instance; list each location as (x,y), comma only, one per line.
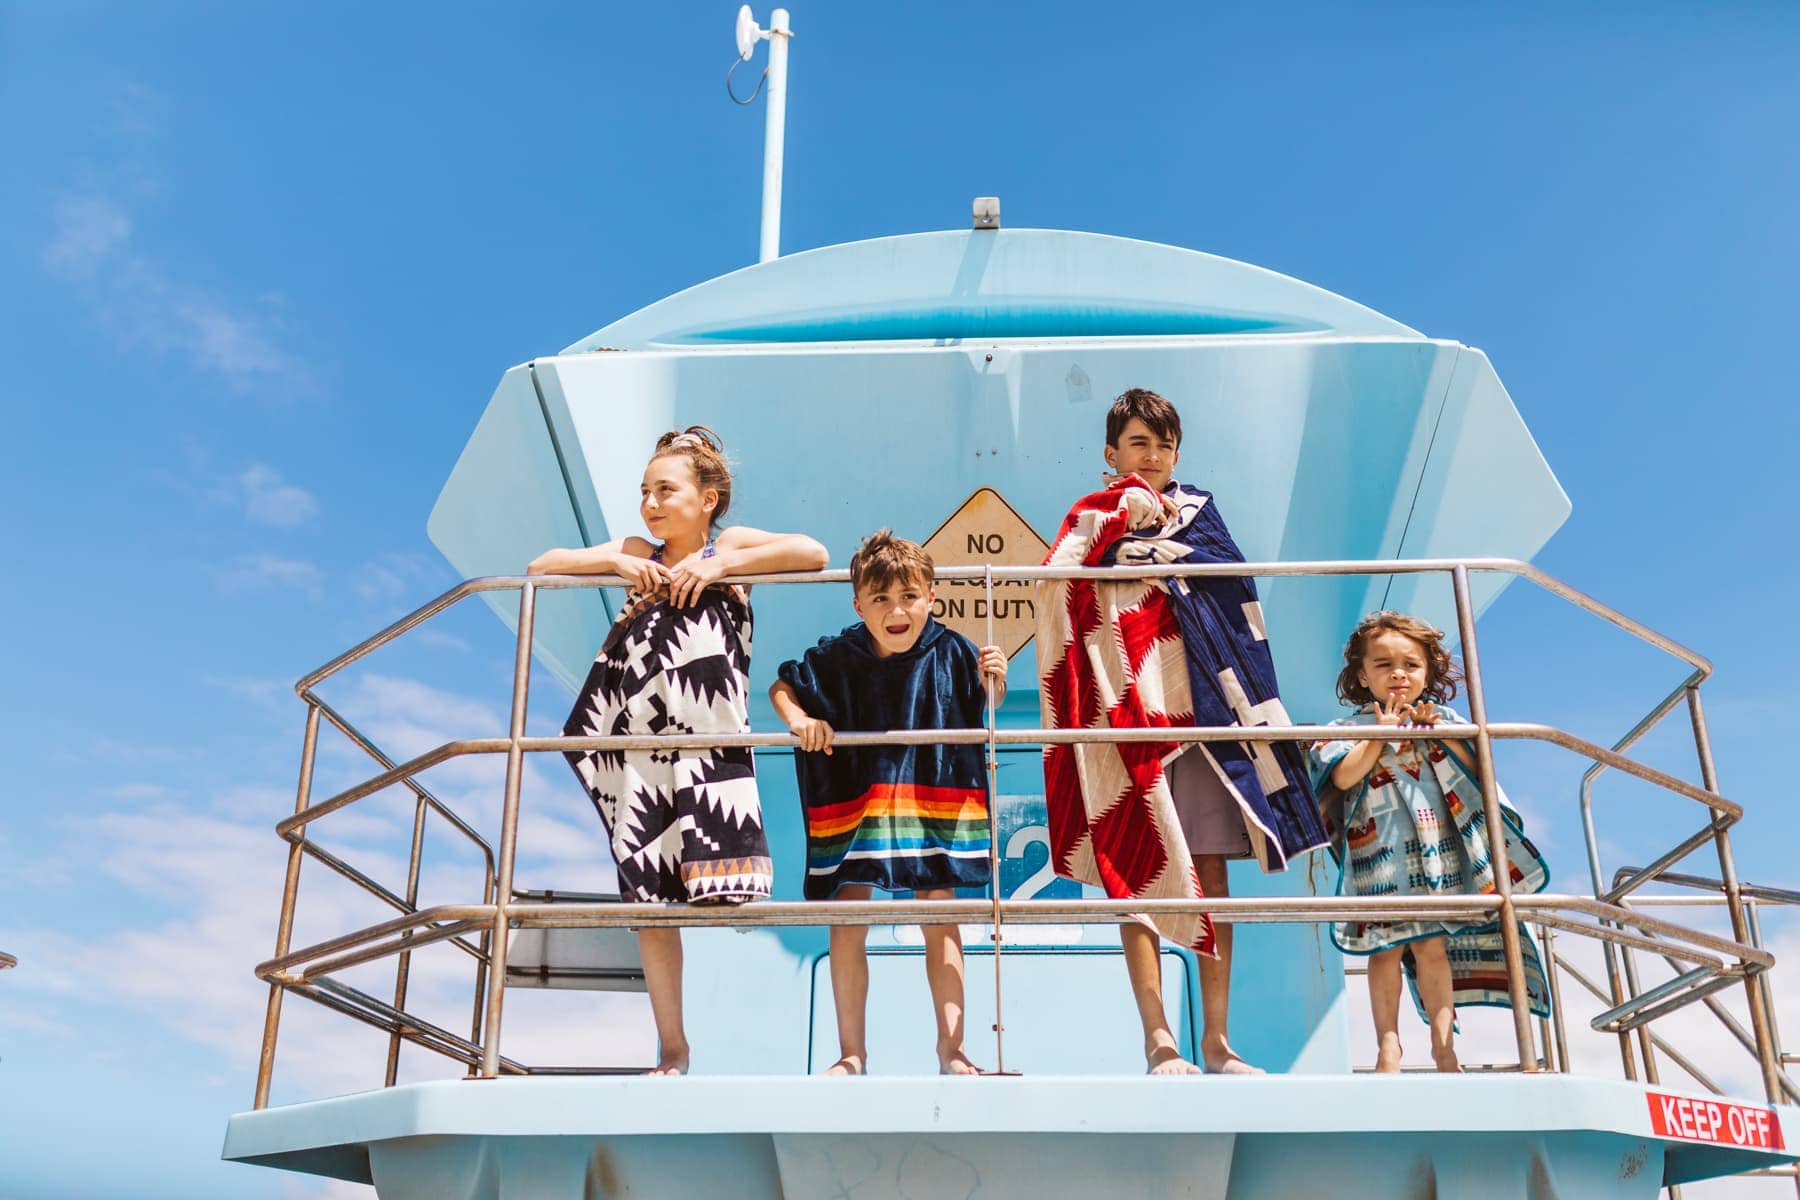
(899,629)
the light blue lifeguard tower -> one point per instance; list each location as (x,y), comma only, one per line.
(929,382)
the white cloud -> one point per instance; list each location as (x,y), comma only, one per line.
(266,498)
(138,301)
(412,578)
(89,230)
(262,571)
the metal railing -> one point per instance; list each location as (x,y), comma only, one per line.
(1709,962)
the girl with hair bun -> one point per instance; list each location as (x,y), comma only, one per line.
(686,825)
(1412,824)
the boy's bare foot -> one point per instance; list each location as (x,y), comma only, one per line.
(1387,1058)
(956,1063)
(850,1064)
(1447,1062)
(1167,1060)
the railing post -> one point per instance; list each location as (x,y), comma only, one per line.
(1734,903)
(993,768)
(509,833)
(1646,1048)
(1496,826)
(403,964)
(1554,968)
(284,928)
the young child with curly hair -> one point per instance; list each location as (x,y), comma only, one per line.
(1412,824)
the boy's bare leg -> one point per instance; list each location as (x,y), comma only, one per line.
(660,950)
(1384,1005)
(1216,1054)
(1143,963)
(944,973)
(850,988)
(1437,990)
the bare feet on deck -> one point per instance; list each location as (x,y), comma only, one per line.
(1447,1063)
(1387,1056)
(1164,1059)
(850,1064)
(956,1063)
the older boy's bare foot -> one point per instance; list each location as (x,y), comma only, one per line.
(1387,1058)
(1217,1056)
(850,1064)
(956,1063)
(1167,1060)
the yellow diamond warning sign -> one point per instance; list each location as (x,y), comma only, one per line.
(986,529)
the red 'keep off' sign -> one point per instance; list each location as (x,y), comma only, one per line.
(1711,1121)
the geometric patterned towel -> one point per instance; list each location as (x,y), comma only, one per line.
(686,825)
(1143,654)
(1415,826)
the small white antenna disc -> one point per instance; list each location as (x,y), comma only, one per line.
(748,33)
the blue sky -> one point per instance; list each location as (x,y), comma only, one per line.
(263,265)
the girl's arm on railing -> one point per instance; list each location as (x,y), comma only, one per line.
(745,551)
(628,558)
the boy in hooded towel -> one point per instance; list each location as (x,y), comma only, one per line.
(899,818)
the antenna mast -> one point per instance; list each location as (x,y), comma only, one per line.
(775,116)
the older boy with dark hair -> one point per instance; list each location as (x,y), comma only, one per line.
(1161,819)
(898,818)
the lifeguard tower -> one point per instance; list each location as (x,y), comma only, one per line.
(953,384)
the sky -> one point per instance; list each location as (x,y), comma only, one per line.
(263,265)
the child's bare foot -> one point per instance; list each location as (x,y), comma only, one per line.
(955,1062)
(1217,1056)
(1446,1062)
(1387,1058)
(672,1063)
(850,1064)
(1167,1060)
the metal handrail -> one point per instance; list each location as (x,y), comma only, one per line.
(1397,566)
(1718,961)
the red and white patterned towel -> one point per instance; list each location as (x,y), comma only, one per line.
(1110,656)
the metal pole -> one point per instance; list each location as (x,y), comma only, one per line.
(1651,1074)
(284,927)
(1556,1009)
(1496,828)
(482,963)
(774,135)
(509,834)
(403,964)
(1753,913)
(993,768)
(1740,931)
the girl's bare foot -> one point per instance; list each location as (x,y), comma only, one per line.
(1164,1059)
(1387,1058)
(850,1064)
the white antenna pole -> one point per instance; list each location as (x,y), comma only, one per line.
(774,135)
